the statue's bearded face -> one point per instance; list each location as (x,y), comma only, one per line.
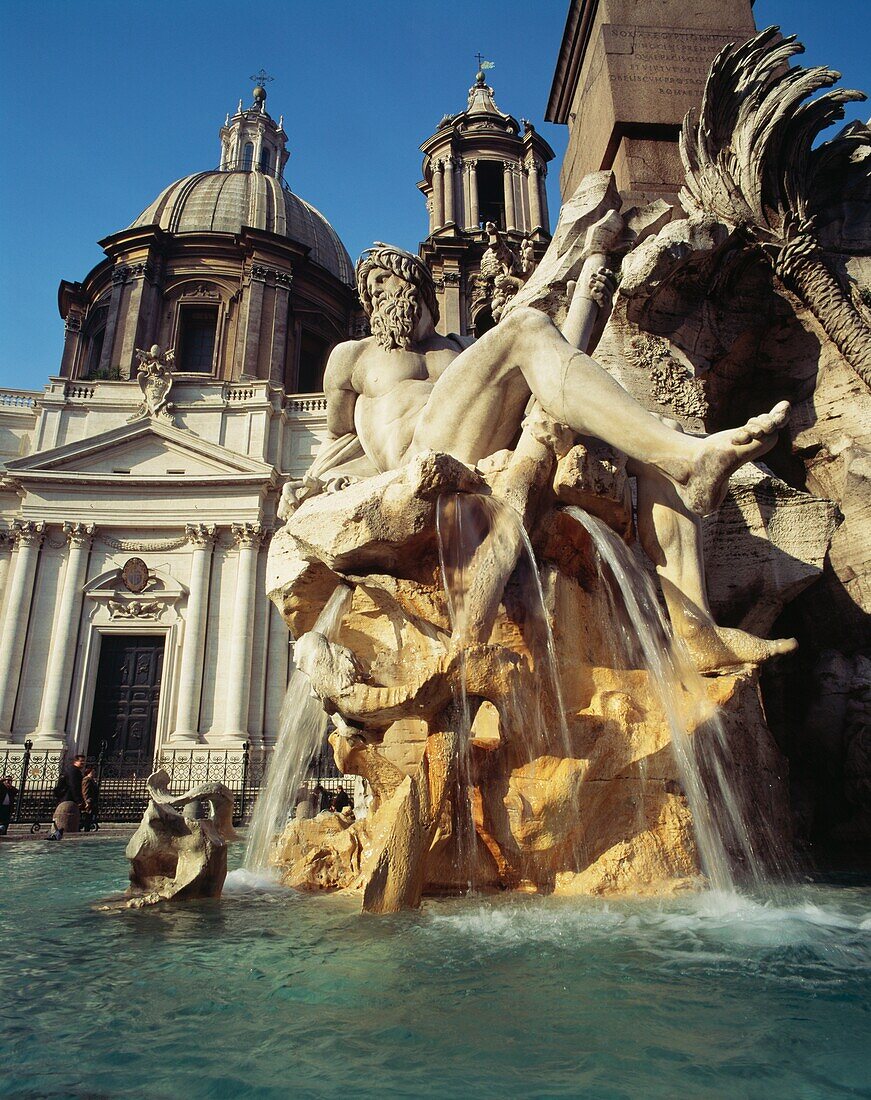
(395,309)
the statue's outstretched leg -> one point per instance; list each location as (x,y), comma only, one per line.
(476,406)
(671,537)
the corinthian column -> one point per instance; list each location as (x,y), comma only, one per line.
(190,678)
(28,536)
(248,536)
(534,198)
(542,193)
(438,196)
(449,190)
(508,183)
(7,545)
(473,193)
(61,654)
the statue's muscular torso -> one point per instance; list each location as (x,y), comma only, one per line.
(380,394)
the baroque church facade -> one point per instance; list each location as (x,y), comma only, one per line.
(139,488)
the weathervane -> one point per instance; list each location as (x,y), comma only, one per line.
(482,64)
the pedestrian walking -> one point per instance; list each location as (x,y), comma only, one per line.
(68,796)
(90,798)
(8,794)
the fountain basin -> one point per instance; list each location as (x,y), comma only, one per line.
(268,994)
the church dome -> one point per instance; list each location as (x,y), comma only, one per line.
(223,201)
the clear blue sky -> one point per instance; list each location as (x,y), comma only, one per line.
(104,102)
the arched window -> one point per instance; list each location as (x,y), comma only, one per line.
(195,342)
(95,352)
(313,352)
(265,158)
(248,157)
(491,193)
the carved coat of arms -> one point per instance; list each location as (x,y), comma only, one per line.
(155,380)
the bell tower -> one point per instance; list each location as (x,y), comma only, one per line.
(482,171)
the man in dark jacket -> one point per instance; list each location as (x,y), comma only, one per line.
(341,800)
(8,794)
(68,793)
(69,786)
(90,797)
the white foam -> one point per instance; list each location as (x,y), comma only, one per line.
(243,881)
(700,929)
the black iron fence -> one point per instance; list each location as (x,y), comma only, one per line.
(123,795)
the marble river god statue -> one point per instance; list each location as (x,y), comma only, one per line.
(475,682)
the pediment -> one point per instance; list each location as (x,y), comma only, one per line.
(146,450)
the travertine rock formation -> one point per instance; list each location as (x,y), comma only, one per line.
(594,804)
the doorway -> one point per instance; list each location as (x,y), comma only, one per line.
(127,695)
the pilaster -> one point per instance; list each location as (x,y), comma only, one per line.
(535,212)
(253,318)
(249,537)
(467,195)
(139,320)
(72,342)
(28,537)
(7,546)
(201,536)
(51,729)
(283,284)
(119,278)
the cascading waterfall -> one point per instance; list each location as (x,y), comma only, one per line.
(457,546)
(647,640)
(478,534)
(301,731)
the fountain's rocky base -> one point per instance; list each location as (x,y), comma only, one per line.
(610,818)
(587,801)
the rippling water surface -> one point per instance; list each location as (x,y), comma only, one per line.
(272,993)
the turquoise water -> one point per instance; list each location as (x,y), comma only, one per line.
(278,994)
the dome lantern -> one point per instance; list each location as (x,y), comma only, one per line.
(252,141)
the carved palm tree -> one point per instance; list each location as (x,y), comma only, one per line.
(751,164)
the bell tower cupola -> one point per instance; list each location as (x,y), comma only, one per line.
(251,140)
(483,173)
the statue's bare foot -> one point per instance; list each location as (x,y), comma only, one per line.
(721,454)
(721,648)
